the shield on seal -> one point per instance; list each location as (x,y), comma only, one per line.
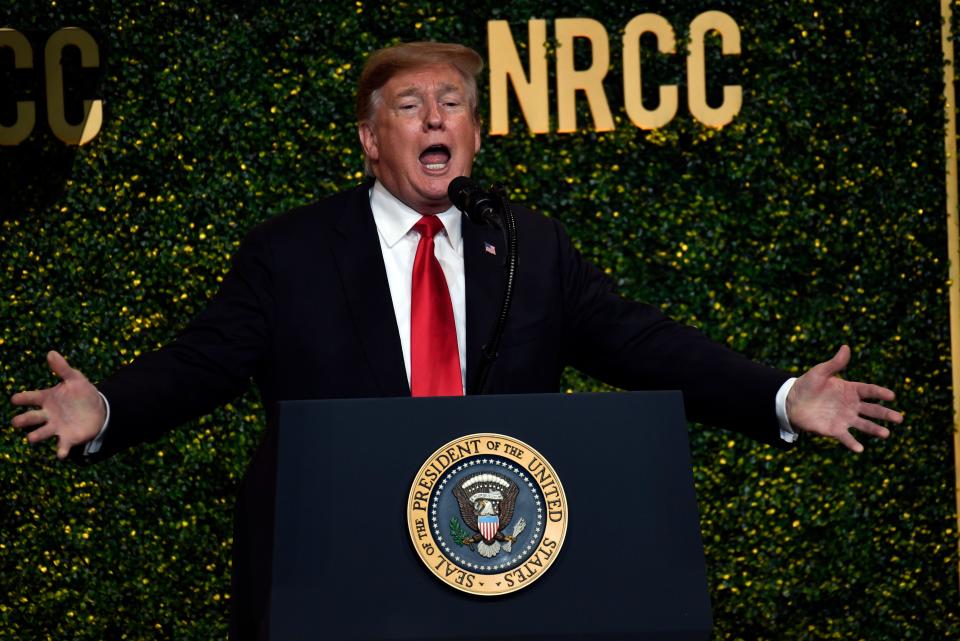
(489,524)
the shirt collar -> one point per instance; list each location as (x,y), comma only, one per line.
(395,219)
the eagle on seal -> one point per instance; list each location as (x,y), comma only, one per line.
(487,502)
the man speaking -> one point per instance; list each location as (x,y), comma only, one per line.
(387,290)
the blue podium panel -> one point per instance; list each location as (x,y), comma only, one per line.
(344,568)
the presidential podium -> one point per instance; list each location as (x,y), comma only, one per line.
(344,565)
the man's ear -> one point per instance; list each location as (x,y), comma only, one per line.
(368,139)
(476,137)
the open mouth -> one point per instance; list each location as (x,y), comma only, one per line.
(435,157)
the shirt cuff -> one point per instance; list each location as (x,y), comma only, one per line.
(787,433)
(92,447)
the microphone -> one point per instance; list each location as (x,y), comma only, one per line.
(481,207)
(484,207)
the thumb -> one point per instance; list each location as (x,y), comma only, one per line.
(63,448)
(60,367)
(839,361)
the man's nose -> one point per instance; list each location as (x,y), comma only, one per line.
(433,118)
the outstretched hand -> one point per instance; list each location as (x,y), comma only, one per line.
(822,403)
(72,410)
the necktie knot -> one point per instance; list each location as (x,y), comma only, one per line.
(428,226)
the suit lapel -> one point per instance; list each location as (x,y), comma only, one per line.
(483,275)
(362,272)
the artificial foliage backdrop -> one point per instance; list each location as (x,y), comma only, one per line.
(813,219)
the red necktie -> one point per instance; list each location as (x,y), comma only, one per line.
(434,357)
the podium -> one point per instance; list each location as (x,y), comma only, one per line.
(343,565)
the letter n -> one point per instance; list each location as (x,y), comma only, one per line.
(532,93)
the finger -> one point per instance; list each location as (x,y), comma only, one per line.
(63,448)
(41,434)
(839,361)
(33,397)
(872,410)
(29,419)
(851,443)
(871,428)
(60,367)
(874,392)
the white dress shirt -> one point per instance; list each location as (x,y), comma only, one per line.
(398,242)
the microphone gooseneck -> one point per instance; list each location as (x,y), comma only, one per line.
(490,208)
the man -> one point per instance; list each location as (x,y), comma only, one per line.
(386,290)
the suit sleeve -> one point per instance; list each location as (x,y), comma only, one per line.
(635,346)
(208,364)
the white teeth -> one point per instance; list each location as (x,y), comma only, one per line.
(436,165)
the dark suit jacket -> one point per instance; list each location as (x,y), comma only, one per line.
(306,313)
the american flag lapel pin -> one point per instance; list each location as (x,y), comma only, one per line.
(490,248)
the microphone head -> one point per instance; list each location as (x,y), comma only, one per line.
(459,190)
(480,206)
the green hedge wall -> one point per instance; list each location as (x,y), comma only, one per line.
(815,218)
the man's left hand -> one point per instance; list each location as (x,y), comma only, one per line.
(823,403)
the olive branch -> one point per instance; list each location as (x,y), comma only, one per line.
(457,533)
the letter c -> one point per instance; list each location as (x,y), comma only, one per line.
(697,69)
(89,127)
(633,100)
(26,110)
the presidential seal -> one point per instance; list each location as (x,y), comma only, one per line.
(487,514)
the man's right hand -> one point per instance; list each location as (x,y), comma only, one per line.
(72,410)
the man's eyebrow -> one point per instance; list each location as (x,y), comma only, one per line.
(414,91)
(409,91)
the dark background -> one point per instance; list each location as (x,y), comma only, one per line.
(815,218)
